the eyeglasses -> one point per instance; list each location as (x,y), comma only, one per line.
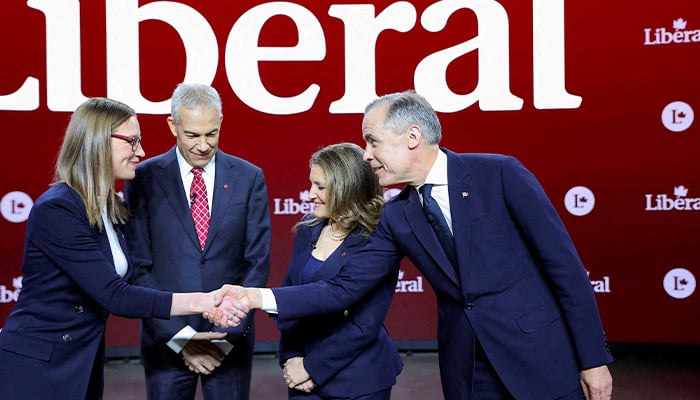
(134,141)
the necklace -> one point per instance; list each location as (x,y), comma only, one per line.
(333,235)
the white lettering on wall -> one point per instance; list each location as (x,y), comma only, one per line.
(362,29)
(493,88)
(242,55)
(549,72)
(198,39)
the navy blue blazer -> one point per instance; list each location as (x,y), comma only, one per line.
(52,344)
(348,353)
(522,287)
(166,252)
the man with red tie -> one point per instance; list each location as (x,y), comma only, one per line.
(200,219)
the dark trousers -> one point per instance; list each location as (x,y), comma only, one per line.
(487,384)
(230,381)
(381,395)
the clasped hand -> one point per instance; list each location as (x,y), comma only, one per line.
(296,376)
(232,307)
(201,355)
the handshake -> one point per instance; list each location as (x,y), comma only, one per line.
(232,305)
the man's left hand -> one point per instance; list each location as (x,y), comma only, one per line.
(597,383)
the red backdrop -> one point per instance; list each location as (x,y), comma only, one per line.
(596,98)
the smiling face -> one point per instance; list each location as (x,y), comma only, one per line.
(387,152)
(197,134)
(124,158)
(318,192)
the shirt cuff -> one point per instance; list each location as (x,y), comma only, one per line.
(185,334)
(224,345)
(269,303)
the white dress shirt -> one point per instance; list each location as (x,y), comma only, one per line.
(208,173)
(120,263)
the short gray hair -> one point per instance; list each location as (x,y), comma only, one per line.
(406,109)
(193,96)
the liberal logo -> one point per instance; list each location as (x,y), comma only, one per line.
(579,200)
(677,116)
(660,36)
(409,285)
(9,295)
(290,206)
(679,283)
(600,285)
(663,202)
(15,206)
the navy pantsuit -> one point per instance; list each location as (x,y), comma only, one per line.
(520,289)
(52,343)
(348,353)
(167,255)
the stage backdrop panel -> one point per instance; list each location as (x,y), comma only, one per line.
(597,98)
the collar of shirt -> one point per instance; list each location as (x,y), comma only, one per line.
(208,173)
(120,263)
(438,172)
(437,176)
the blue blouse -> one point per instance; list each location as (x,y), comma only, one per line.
(312,265)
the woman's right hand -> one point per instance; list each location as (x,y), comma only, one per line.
(230,307)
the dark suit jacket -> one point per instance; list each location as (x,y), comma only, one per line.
(52,344)
(348,353)
(522,287)
(166,251)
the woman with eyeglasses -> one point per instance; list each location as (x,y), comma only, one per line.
(75,265)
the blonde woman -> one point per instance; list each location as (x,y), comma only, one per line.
(75,265)
(345,354)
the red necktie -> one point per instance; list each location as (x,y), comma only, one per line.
(199,206)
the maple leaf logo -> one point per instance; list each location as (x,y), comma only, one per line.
(20,205)
(681,115)
(583,199)
(680,191)
(304,196)
(683,282)
(679,24)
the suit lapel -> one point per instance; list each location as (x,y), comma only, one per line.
(413,212)
(306,237)
(224,187)
(338,258)
(172,188)
(458,187)
(331,265)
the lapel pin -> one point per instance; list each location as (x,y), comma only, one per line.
(343,254)
(465,194)
(226,186)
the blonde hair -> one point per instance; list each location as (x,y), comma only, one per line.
(353,194)
(85,159)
